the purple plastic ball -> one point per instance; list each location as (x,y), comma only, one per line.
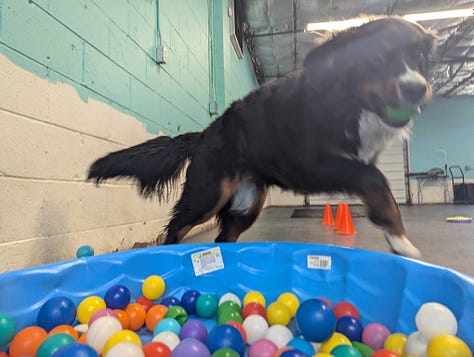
(117,297)
(225,336)
(188,301)
(190,347)
(374,335)
(171,301)
(350,327)
(193,329)
(315,320)
(56,311)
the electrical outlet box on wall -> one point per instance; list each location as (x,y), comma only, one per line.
(161,54)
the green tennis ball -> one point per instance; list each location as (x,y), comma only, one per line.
(403,114)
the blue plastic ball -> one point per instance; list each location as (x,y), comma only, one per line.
(188,301)
(117,297)
(350,327)
(315,320)
(206,305)
(225,336)
(294,353)
(302,345)
(75,350)
(85,251)
(170,301)
(56,311)
(167,324)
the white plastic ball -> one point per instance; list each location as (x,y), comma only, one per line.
(128,349)
(435,319)
(81,328)
(280,335)
(255,327)
(416,344)
(230,297)
(101,330)
(169,338)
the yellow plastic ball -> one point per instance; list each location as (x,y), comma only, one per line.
(121,336)
(291,302)
(335,340)
(447,346)
(88,307)
(322,354)
(153,287)
(396,343)
(278,314)
(255,296)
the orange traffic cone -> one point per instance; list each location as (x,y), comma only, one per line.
(328,218)
(337,223)
(347,226)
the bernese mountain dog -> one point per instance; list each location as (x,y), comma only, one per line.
(319,129)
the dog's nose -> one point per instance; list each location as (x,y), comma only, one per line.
(413,91)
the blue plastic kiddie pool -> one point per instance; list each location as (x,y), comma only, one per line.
(385,288)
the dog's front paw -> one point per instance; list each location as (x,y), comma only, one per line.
(401,245)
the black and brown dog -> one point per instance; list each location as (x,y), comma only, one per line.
(320,129)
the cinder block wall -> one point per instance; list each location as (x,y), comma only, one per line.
(79,79)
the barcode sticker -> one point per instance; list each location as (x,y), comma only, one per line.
(207,261)
(319,262)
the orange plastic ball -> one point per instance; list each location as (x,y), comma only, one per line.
(68,329)
(155,315)
(27,341)
(3,354)
(123,317)
(82,338)
(279,352)
(137,314)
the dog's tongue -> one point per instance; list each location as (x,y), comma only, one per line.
(402,114)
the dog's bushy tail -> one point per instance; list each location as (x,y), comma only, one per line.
(155,164)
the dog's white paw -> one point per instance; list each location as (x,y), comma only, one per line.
(401,245)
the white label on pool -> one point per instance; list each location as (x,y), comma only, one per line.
(319,262)
(207,261)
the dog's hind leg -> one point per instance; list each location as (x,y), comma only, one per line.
(233,222)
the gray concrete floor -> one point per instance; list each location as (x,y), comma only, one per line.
(445,244)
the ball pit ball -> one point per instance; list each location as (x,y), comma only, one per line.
(228,316)
(364,350)
(396,343)
(84,251)
(153,287)
(384,353)
(374,335)
(27,341)
(239,327)
(335,340)
(206,305)
(65,329)
(255,296)
(188,301)
(345,351)
(225,352)
(191,347)
(171,301)
(75,350)
(120,337)
(280,335)
(123,349)
(88,307)
(278,314)
(255,327)
(167,324)
(137,314)
(229,305)
(193,329)
(56,311)
(230,297)
(117,297)
(315,320)
(101,313)
(345,308)
(53,343)
(254,308)
(291,301)
(350,327)
(146,303)
(416,344)
(294,353)
(302,345)
(178,313)
(156,349)
(262,348)
(169,338)
(101,330)
(154,315)
(7,329)
(280,351)
(323,354)
(123,317)
(225,336)
(447,346)
(435,319)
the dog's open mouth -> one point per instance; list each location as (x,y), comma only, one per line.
(393,114)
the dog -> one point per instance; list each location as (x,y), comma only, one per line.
(319,129)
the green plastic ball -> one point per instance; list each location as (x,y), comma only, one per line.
(54,343)
(364,350)
(7,329)
(401,114)
(85,251)
(178,313)
(225,352)
(206,305)
(229,305)
(229,315)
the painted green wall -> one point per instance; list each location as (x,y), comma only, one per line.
(105,49)
(446,124)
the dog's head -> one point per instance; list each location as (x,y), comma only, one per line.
(384,64)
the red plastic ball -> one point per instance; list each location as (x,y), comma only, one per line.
(156,349)
(254,308)
(239,327)
(147,303)
(345,308)
(384,353)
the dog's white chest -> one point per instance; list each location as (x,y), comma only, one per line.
(374,135)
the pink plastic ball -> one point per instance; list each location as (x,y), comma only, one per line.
(101,313)
(374,335)
(262,348)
